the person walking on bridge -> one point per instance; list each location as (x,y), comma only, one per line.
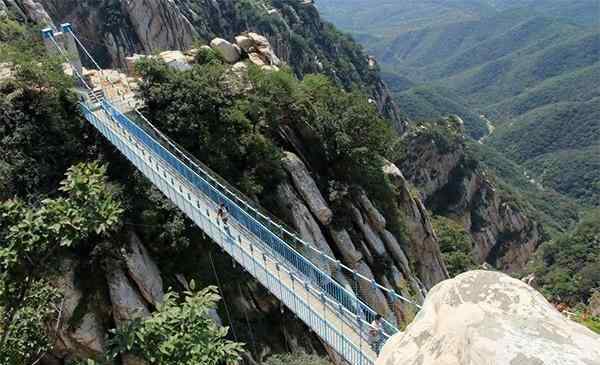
(223,215)
(376,334)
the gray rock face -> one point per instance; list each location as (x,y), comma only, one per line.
(36,12)
(594,305)
(306,186)
(422,245)
(485,317)
(304,223)
(86,338)
(159,24)
(127,303)
(143,271)
(504,236)
(376,219)
(374,242)
(227,50)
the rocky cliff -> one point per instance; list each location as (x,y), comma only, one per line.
(451,183)
(484,317)
(117,29)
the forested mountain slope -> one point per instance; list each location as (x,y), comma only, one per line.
(528,67)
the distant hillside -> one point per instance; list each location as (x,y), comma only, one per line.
(429,103)
(388,18)
(532,67)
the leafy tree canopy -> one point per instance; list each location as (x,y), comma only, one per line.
(180,332)
(568,268)
(30,239)
(456,245)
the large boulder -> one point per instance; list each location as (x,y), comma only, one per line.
(143,270)
(229,53)
(486,317)
(127,303)
(263,46)
(306,186)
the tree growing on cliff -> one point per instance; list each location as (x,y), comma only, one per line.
(456,245)
(568,268)
(31,237)
(180,332)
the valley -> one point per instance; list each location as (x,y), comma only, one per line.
(529,68)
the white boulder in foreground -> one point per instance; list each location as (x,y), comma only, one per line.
(489,318)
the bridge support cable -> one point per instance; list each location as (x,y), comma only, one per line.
(262,247)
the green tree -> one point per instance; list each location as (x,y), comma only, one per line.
(568,268)
(31,238)
(24,338)
(456,245)
(41,133)
(180,332)
(199,110)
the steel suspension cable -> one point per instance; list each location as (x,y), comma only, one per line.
(60,50)
(214,270)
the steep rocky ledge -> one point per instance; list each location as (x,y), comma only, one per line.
(450,183)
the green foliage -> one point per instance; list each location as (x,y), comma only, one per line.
(568,268)
(30,240)
(532,68)
(430,103)
(207,55)
(89,208)
(592,323)
(238,135)
(180,332)
(456,245)
(195,108)
(24,338)
(297,358)
(41,134)
(556,212)
(353,136)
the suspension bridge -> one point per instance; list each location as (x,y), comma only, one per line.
(264,248)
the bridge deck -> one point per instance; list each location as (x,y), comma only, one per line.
(337,326)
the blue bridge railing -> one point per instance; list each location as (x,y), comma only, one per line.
(248,217)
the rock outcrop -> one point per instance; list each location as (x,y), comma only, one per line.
(594,304)
(227,50)
(485,317)
(422,244)
(81,338)
(127,302)
(143,271)
(159,24)
(451,184)
(28,10)
(307,187)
